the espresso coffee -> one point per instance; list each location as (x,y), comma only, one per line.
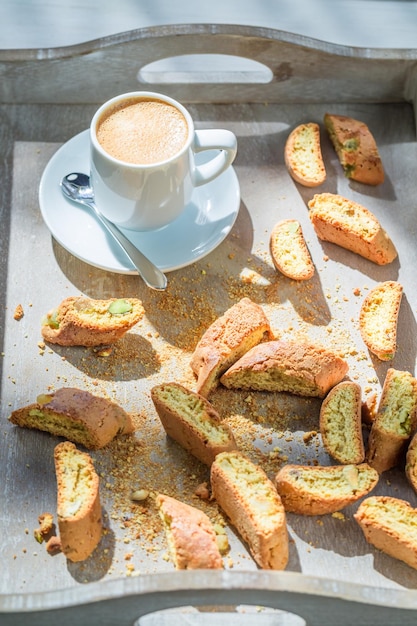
(142,131)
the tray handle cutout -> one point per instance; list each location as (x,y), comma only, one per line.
(204,68)
(243,616)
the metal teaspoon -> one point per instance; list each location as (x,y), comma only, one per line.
(76,187)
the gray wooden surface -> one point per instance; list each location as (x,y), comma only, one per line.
(332,571)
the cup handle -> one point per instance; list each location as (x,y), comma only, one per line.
(213,139)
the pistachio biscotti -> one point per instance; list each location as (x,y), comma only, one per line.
(411,462)
(319,490)
(82,321)
(289,251)
(390,525)
(192,421)
(77,415)
(356,149)
(250,500)
(341,423)
(240,328)
(78,502)
(378,319)
(300,368)
(351,226)
(394,422)
(302,155)
(190,534)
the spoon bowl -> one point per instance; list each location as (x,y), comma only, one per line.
(77,187)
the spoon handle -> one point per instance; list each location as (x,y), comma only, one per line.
(151,274)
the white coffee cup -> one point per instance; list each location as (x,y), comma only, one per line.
(154,189)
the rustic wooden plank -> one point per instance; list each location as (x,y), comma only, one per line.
(124,601)
(304,69)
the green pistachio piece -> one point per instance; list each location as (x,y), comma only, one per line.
(349,170)
(120,307)
(293,227)
(351,145)
(51,319)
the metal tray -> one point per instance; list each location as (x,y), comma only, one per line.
(46,98)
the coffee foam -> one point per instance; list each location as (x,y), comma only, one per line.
(143,132)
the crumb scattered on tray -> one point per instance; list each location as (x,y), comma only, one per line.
(18,312)
(46,524)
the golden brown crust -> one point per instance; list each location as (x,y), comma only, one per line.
(315,490)
(190,534)
(81,321)
(350,225)
(192,421)
(395,420)
(411,463)
(341,423)
(302,155)
(389,525)
(78,502)
(300,368)
(378,319)
(226,340)
(77,415)
(369,406)
(289,251)
(356,149)
(249,499)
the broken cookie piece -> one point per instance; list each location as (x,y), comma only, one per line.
(356,149)
(240,328)
(82,321)
(78,502)
(77,415)
(190,534)
(46,524)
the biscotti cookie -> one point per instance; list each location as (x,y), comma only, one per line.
(378,319)
(78,502)
(389,524)
(77,415)
(356,149)
(341,423)
(395,420)
(302,155)
(192,421)
(289,251)
(300,368)
(190,535)
(316,490)
(351,226)
(250,500)
(240,328)
(81,321)
(411,463)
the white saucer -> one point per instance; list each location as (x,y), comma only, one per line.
(205,223)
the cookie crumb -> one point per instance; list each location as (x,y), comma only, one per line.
(202,491)
(53,545)
(46,522)
(307,437)
(18,312)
